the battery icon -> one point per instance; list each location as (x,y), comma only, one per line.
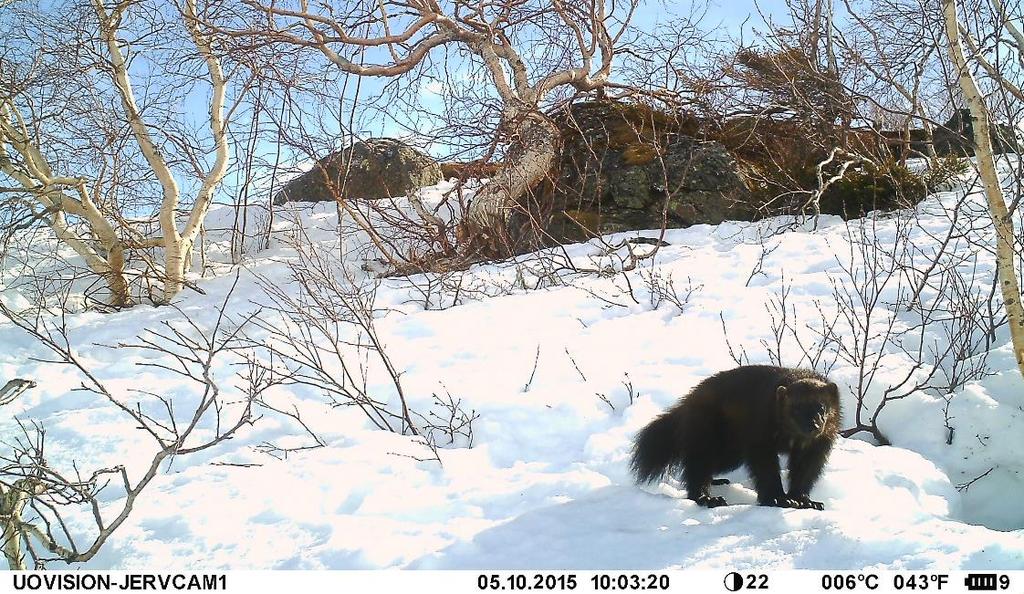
(980,581)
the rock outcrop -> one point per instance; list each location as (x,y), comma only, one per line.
(376,168)
(620,162)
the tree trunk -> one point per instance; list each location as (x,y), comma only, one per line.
(109,265)
(533,152)
(13,500)
(1007,274)
(929,136)
(119,296)
(175,265)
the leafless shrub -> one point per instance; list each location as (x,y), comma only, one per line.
(447,423)
(738,354)
(966,485)
(321,332)
(792,342)
(814,342)
(36,497)
(533,372)
(438,291)
(605,399)
(575,365)
(323,338)
(908,304)
(631,393)
(941,332)
(262,377)
(758,269)
(661,288)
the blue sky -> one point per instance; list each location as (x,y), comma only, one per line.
(729,14)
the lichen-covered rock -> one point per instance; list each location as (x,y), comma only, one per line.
(621,162)
(380,168)
(705,186)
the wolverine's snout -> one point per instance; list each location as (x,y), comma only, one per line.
(811,419)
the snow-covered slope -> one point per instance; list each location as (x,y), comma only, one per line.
(562,370)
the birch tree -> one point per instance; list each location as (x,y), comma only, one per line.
(529,51)
(1001,216)
(94,124)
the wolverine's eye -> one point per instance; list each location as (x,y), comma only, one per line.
(809,409)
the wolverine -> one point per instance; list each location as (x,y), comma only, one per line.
(747,415)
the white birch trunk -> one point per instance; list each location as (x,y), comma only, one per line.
(177,245)
(13,500)
(1005,256)
(36,176)
(532,156)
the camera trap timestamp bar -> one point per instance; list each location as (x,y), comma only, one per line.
(701,581)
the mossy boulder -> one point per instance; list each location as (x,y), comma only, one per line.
(621,162)
(376,168)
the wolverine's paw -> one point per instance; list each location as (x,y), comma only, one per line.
(804,502)
(709,501)
(777,502)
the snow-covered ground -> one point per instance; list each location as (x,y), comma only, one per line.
(562,369)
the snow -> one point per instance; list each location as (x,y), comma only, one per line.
(562,369)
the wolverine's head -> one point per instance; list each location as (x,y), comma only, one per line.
(808,407)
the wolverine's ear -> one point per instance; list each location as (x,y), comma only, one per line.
(833,389)
(780,393)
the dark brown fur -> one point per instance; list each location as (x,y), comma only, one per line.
(747,415)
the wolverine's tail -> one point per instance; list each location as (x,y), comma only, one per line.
(657,448)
